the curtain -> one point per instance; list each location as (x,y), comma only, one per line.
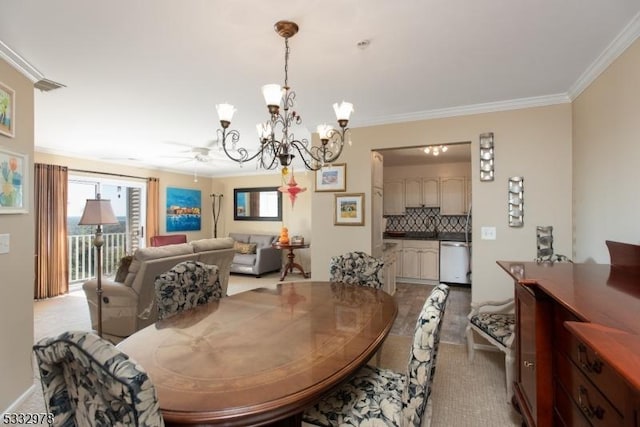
(153,207)
(52,262)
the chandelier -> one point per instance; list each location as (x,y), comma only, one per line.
(273,152)
(435,149)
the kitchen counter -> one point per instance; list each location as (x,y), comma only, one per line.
(448,236)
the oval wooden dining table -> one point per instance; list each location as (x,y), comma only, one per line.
(260,357)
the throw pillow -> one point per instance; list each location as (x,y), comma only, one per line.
(123,268)
(245,248)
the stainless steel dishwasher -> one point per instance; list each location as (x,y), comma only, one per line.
(455,262)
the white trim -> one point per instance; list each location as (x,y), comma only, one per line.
(19,63)
(15,406)
(622,41)
(488,107)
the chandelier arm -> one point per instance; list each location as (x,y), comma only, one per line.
(304,152)
(234,136)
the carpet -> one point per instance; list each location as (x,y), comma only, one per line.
(465,394)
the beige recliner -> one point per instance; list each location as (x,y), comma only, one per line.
(130,306)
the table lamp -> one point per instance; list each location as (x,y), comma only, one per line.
(98,212)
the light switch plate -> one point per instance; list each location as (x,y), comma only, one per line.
(4,243)
(488,233)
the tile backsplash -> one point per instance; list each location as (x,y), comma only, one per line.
(426,220)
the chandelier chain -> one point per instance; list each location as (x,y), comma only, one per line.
(286,62)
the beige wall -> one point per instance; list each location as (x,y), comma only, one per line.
(297,218)
(437,170)
(17,267)
(606,150)
(534,143)
(167,179)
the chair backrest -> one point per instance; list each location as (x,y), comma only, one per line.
(422,360)
(169,239)
(185,286)
(357,268)
(86,381)
(623,254)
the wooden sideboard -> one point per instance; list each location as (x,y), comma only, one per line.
(578,344)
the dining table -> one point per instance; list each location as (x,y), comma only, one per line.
(262,356)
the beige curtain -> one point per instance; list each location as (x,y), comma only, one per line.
(52,265)
(153,208)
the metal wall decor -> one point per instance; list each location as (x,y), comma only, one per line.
(516,201)
(486,157)
(544,242)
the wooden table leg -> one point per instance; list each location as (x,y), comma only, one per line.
(290,265)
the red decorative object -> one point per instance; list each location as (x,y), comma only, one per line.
(292,189)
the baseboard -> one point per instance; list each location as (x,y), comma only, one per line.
(486,347)
(19,401)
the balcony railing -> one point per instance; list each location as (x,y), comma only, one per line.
(82,255)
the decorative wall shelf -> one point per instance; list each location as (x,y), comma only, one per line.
(486,157)
(516,201)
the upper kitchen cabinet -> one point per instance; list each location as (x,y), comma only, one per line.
(453,196)
(393,202)
(421,192)
(377,169)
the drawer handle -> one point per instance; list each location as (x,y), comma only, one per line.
(528,364)
(585,363)
(587,408)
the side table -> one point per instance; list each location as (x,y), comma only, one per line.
(290,265)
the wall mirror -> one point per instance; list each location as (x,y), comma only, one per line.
(257,204)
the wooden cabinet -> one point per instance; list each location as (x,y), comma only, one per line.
(577,344)
(421,192)
(390,272)
(397,251)
(533,356)
(377,227)
(420,260)
(393,203)
(453,196)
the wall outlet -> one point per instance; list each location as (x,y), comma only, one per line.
(4,243)
(488,233)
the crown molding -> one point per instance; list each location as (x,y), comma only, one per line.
(623,40)
(19,63)
(465,110)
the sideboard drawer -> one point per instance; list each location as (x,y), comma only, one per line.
(568,411)
(603,377)
(593,405)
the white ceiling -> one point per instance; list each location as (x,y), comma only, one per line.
(143,76)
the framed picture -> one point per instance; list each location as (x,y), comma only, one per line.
(7,110)
(332,178)
(183,209)
(349,209)
(14,185)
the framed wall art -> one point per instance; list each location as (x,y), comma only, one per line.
(183,209)
(14,186)
(332,178)
(7,110)
(349,209)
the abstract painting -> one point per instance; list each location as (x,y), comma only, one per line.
(183,209)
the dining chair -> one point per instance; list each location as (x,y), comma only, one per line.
(86,381)
(185,286)
(623,254)
(357,268)
(377,396)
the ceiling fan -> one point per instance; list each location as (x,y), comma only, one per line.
(197,154)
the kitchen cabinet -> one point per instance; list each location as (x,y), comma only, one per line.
(453,196)
(390,271)
(395,246)
(393,201)
(420,192)
(377,223)
(420,259)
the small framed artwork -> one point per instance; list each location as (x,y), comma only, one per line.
(332,178)
(14,186)
(7,110)
(349,209)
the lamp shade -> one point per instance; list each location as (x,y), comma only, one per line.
(225,112)
(272,94)
(98,212)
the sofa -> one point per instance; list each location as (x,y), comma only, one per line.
(258,259)
(129,306)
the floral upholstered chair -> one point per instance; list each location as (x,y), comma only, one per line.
(357,268)
(380,397)
(86,381)
(185,286)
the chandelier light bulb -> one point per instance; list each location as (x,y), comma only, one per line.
(272,94)
(225,112)
(427,150)
(343,110)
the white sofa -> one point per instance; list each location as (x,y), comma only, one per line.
(130,306)
(265,259)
